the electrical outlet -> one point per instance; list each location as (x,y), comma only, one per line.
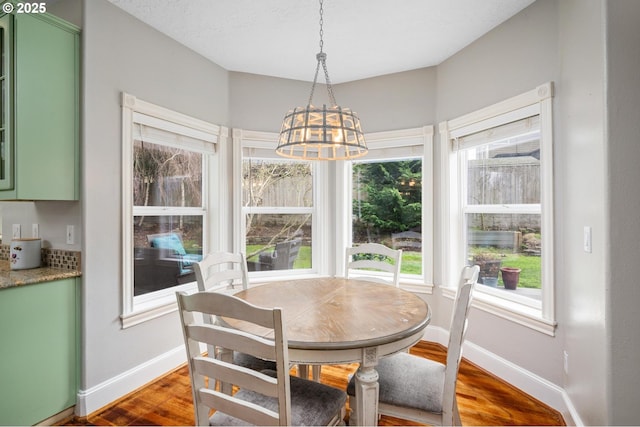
(70,235)
(35,231)
(15,231)
(566,362)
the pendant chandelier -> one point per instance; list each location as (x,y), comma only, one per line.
(321,133)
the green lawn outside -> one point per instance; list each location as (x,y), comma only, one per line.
(530,276)
(411,261)
(303,260)
(530,266)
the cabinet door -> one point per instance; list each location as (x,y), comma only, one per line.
(6,102)
(39,356)
(46,108)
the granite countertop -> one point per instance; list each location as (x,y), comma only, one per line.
(11,278)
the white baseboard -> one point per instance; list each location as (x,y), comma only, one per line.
(534,385)
(96,397)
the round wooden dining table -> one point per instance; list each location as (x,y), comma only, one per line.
(338,320)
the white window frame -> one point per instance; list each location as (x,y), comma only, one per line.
(262,145)
(539,101)
(194,135)
(389,146)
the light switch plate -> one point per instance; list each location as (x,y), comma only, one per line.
(587,239)
(70,235)
(15,231)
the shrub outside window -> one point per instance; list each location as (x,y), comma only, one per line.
(387,208)
(391,201)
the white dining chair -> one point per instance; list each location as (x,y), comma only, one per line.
(361,260)
(421,390)
(226,272)
(269,397)
(222,272)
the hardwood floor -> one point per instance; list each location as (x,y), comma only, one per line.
(482,398)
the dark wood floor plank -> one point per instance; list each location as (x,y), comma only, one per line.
(483,399)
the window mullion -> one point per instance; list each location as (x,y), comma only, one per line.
(166,210)
(504,209)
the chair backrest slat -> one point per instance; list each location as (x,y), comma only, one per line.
(246,411)
(241,377)
(241,341)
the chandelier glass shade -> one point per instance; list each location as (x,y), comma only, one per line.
(321,133)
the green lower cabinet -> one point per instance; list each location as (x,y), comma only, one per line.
(38,351)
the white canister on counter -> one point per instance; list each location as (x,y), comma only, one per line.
(25,253)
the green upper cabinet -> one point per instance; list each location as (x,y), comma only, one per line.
(40,108)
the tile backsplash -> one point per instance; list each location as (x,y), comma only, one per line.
(55,258)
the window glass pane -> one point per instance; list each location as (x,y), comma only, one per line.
(165,248)
(278,241)
(505,171)
(387,201)
(275,183)
(499,241)
(166,176)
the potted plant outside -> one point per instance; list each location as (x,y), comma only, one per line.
(489,264)
(510,277)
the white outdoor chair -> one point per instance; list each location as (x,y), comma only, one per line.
(262,398)
(421,390)
(361,268)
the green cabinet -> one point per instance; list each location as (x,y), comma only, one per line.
(38,351)
(39,130)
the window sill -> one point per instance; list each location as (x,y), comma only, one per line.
(151,306)
(278,275)
(149,311)
(416,286)
(509,310)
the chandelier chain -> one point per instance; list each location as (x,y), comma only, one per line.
(321,25)
(322,60)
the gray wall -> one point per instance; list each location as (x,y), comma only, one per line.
(581,201)
(623,154)
(52,218)
(122,54)
(512,59)
(394,101)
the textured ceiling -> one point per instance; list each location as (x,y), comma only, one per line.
(362,38)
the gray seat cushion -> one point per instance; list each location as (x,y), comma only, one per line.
(312,403)
(252,362)
(409,381)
